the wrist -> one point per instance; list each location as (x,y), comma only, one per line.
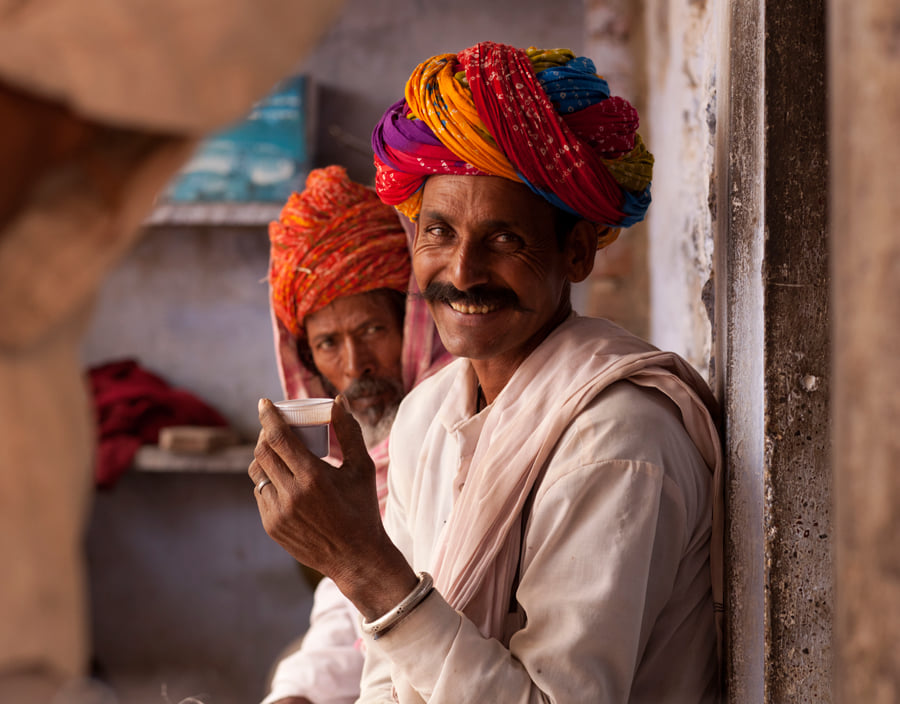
(395,615)
(376,588)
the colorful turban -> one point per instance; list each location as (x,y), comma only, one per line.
(334,239)
(540,117)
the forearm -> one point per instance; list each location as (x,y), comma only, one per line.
(377,585)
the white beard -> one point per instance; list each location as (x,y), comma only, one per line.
(375,433)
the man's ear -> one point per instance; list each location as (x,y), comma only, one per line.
(581,248)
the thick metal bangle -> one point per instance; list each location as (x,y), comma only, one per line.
(380,625)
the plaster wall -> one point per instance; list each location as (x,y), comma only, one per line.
(191,304)
(681,67)
(189,595)
(773,323)
(740,347)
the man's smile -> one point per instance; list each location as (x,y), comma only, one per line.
(468,309)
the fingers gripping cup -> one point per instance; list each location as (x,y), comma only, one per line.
(309,418)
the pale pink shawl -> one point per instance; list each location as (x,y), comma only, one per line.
(479,547)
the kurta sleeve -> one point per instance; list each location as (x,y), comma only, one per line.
(326,669)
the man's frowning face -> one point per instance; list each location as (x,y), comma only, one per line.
(356,343)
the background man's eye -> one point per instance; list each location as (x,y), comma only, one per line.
(438,230)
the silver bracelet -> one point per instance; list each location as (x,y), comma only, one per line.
(382,624)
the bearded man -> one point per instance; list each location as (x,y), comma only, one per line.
(339,276)
(561,480)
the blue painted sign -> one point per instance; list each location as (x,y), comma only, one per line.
(262,159)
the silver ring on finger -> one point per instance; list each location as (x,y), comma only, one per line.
(262,484)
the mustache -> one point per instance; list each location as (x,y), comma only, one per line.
(372,386)
(441,292)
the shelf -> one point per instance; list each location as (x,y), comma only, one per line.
(232,214)
(229,460)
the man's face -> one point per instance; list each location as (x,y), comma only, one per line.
(356,342)
(488,263)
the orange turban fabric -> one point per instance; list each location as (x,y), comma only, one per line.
(334,239)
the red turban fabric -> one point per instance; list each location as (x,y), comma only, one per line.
(334,239)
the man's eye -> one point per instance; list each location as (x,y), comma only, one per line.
(324,345)
(507,239)
(438,231)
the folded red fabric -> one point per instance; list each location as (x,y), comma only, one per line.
(131,405)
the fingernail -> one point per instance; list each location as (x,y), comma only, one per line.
(261,404)
(343,401)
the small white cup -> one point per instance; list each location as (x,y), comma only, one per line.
(310,419)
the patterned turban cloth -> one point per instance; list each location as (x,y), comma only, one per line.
(334,239)
(540,117)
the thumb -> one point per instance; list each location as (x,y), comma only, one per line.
(349,434)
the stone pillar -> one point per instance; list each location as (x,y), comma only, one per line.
(864,51)
(772,335)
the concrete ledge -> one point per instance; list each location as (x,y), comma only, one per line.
(229,460)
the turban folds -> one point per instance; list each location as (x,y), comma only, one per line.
(540,117)
(334,239)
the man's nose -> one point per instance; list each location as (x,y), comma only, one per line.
(358,359)
(468,266)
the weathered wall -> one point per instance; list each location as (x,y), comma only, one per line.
(681,64)
(739,349)
(190,596)
(191,304)
(864,52)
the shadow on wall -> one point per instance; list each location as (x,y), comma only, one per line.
(190,596)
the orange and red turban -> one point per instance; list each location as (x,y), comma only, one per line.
(334,239)
(540,117)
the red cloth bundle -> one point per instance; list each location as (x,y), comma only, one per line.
(131,406)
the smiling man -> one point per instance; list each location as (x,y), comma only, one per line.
(339,276)
(553,524)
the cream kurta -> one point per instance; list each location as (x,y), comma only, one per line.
(613,602)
